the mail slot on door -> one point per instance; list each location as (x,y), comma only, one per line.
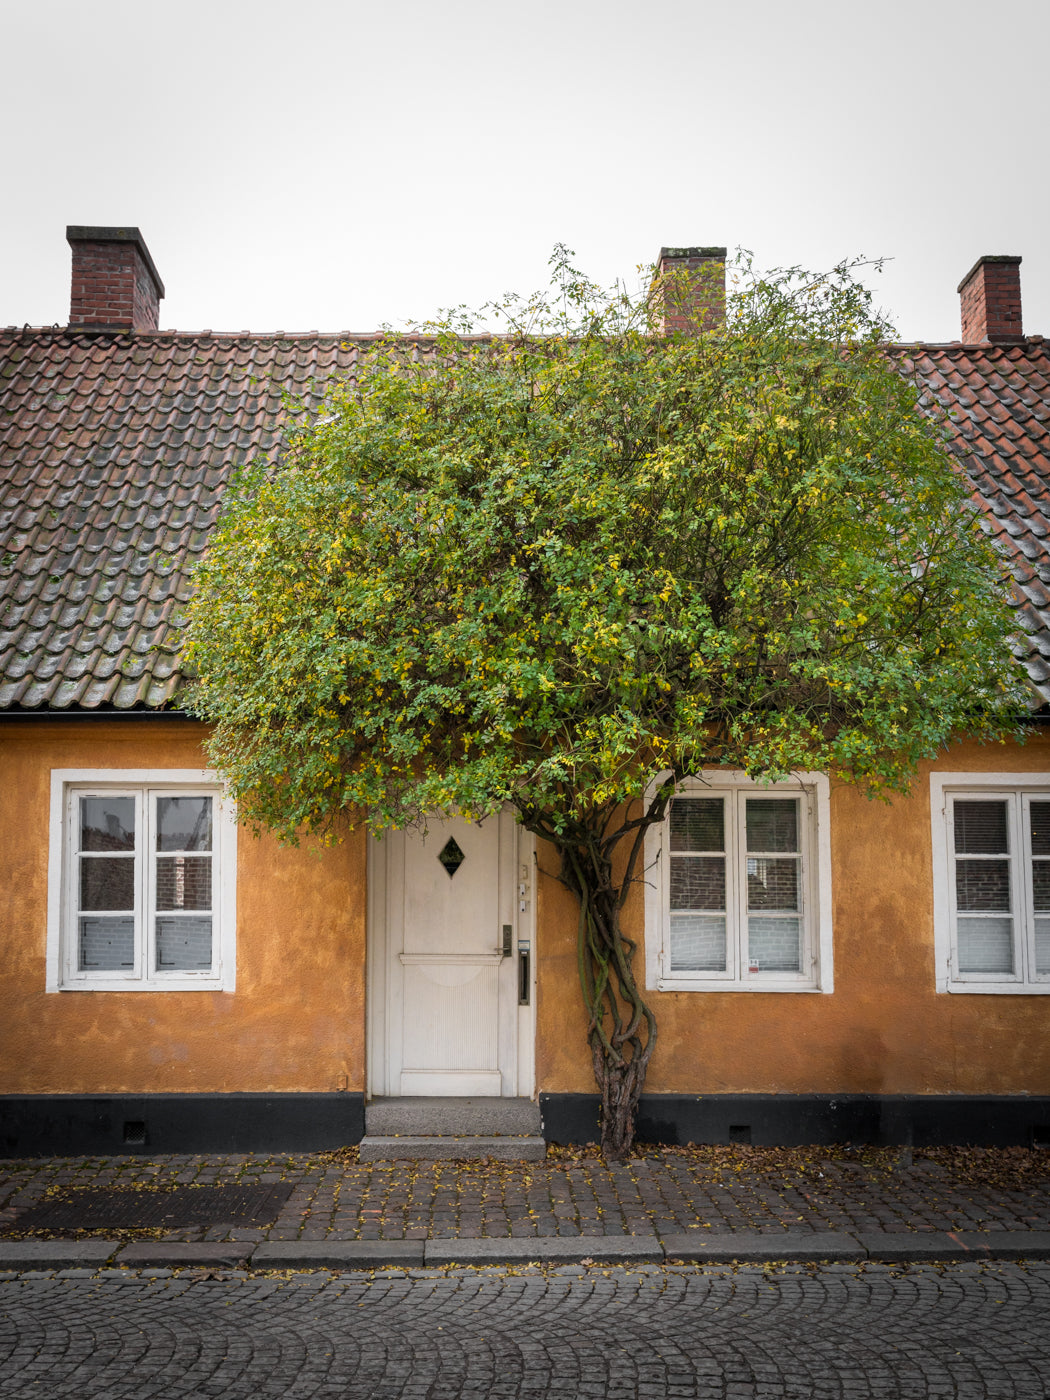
(524,978)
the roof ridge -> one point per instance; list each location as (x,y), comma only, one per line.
(985,346)
(148,336)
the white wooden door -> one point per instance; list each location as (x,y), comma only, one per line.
(451,911)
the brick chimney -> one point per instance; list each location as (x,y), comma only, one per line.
(990,295)
(690,285)
(115,285)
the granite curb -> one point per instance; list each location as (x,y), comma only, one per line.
(566,1249)
(724,1247)
(340,1254)
(56,1254)
(800,1246)
(179,1254)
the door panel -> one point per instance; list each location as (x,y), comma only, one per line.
(456,914)
(452,996)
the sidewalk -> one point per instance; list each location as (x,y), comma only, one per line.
(713,1203)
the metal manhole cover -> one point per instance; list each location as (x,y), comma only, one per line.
(166,1207)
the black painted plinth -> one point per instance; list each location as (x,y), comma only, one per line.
(794,1120)
(61,1125)
(54,1125)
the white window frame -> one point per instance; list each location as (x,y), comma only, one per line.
(1018,789)
(817,971)
(67,785)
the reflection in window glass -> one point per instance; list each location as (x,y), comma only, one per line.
(107,823)
(106,944)
(183,944)
(982,884)
(698,943)
(184,823)
(107,882)
(772,884)
(698,882)
(774,945)
(183,882)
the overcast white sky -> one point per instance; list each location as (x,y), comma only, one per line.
(334,164)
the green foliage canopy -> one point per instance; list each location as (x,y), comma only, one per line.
(547,566)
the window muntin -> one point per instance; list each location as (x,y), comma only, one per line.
(772,830)
(105,881)
(984,879)
(146,886)
(734,900)
(698,914)
(1038,827)
(183,932)
(996,853)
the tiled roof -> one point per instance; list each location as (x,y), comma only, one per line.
(115,451)
(114,454)
(996,402)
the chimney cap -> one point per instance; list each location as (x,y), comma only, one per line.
(676,253)
(82,233)
(1010,258)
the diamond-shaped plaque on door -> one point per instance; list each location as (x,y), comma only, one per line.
(450,856)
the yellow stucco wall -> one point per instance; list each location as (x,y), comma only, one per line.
(883,1030)
(296,1019)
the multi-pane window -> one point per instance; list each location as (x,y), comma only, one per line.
(143,893)
(998,856)
(737,888)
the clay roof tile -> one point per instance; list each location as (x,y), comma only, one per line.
(999,398)
(115,452)
(114,455)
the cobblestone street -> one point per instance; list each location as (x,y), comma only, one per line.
(971,1331)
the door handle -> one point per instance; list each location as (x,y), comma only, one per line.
(505,949)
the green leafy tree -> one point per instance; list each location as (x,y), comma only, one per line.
(565,566)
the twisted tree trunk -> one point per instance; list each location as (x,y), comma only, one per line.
(621,1026)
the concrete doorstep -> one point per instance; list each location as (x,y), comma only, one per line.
(452,1149)
(735,1246)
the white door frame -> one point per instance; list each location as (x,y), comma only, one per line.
(383,973)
